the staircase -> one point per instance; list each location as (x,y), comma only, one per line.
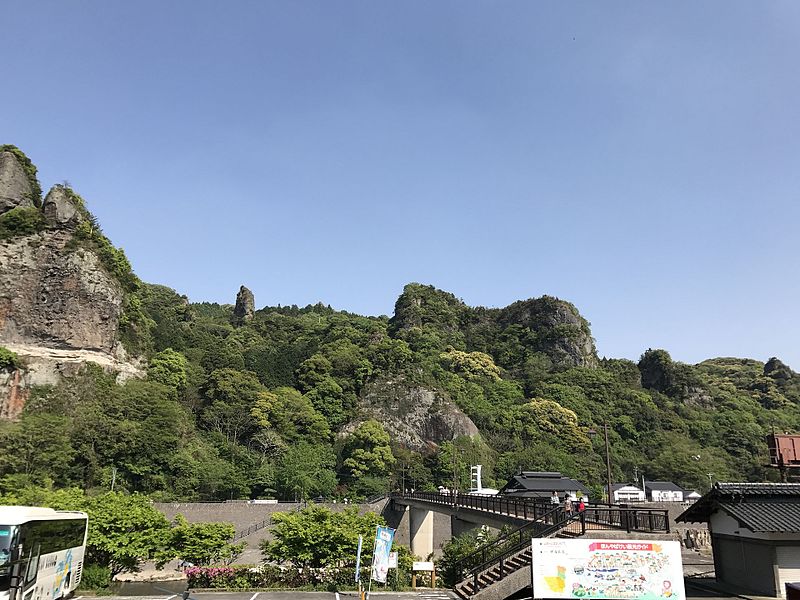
(500,568)
(509,553)
(514,563)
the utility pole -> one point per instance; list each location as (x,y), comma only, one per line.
(113,477)
(710,480)
(608,464)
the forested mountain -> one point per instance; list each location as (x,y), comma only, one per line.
(226,401)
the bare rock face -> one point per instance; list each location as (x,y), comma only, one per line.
(417,417)
(15,189)
(60,209)
(56,297)
(245,306)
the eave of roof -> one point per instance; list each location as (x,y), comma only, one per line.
(761,507)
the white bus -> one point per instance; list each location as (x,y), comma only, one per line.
(41,552)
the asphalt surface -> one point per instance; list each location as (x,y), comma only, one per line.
(418,595)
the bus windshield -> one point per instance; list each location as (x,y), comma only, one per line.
(6,535)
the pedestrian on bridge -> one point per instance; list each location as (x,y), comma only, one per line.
(567,505)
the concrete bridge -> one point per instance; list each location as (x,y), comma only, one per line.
(496,570)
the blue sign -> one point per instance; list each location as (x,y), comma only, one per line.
(384,536)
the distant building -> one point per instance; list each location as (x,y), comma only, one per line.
(755,534)
(626,492)
(663,491)
(691,495)
(541,484)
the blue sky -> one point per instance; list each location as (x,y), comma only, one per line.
(638,159)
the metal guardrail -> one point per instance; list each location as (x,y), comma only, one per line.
(252,529)
(521,508)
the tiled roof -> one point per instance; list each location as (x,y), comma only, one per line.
(619,486)
(662,486)
(761,507)
(542,482)
(760,489)
(766,517)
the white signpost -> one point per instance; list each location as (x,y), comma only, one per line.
(631,569)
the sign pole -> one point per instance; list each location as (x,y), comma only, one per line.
(374,545)
(358,568)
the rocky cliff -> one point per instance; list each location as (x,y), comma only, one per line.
(415,416)
(59,305)
(546,326)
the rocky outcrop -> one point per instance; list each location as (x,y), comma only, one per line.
(414,416)
(14,392)
(558,329)
(245,306)
(15,188)
(61,209)
(47,366)
(56,297)
(60,307)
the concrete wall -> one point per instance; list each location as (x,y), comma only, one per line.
(243,514)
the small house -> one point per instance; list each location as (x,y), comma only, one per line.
(542,484)
(625,492)
(663,491)
(691,495)
(755,534)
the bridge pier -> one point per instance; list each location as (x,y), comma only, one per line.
(459,526)
(421,525)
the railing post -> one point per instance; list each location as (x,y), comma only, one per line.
(525,510)
(475,583)
(650,519)
(501,567)
(628,520)
(583,523)
(666,520)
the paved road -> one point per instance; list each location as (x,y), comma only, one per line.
(376,595)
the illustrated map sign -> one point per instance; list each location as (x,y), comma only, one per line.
(640,570)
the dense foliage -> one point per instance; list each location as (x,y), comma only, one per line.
(273,406)
(22,220)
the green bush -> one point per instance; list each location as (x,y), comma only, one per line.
(22,220)
(95,577)
(8,360)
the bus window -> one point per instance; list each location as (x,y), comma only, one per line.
(6,535)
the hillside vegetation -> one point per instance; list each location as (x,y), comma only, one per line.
(271,402)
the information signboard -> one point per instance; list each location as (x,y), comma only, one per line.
(635,569)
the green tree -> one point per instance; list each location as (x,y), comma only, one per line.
(319,537)
(291,414)
(168,367)
(200,543)
(124,531)
(306,471)
(39,446)
(471,365)
(367,451)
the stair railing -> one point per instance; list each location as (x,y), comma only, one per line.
(509,543)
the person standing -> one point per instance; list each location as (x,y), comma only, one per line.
(567,505)
(554,499)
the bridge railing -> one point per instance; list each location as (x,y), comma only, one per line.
(522,508)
